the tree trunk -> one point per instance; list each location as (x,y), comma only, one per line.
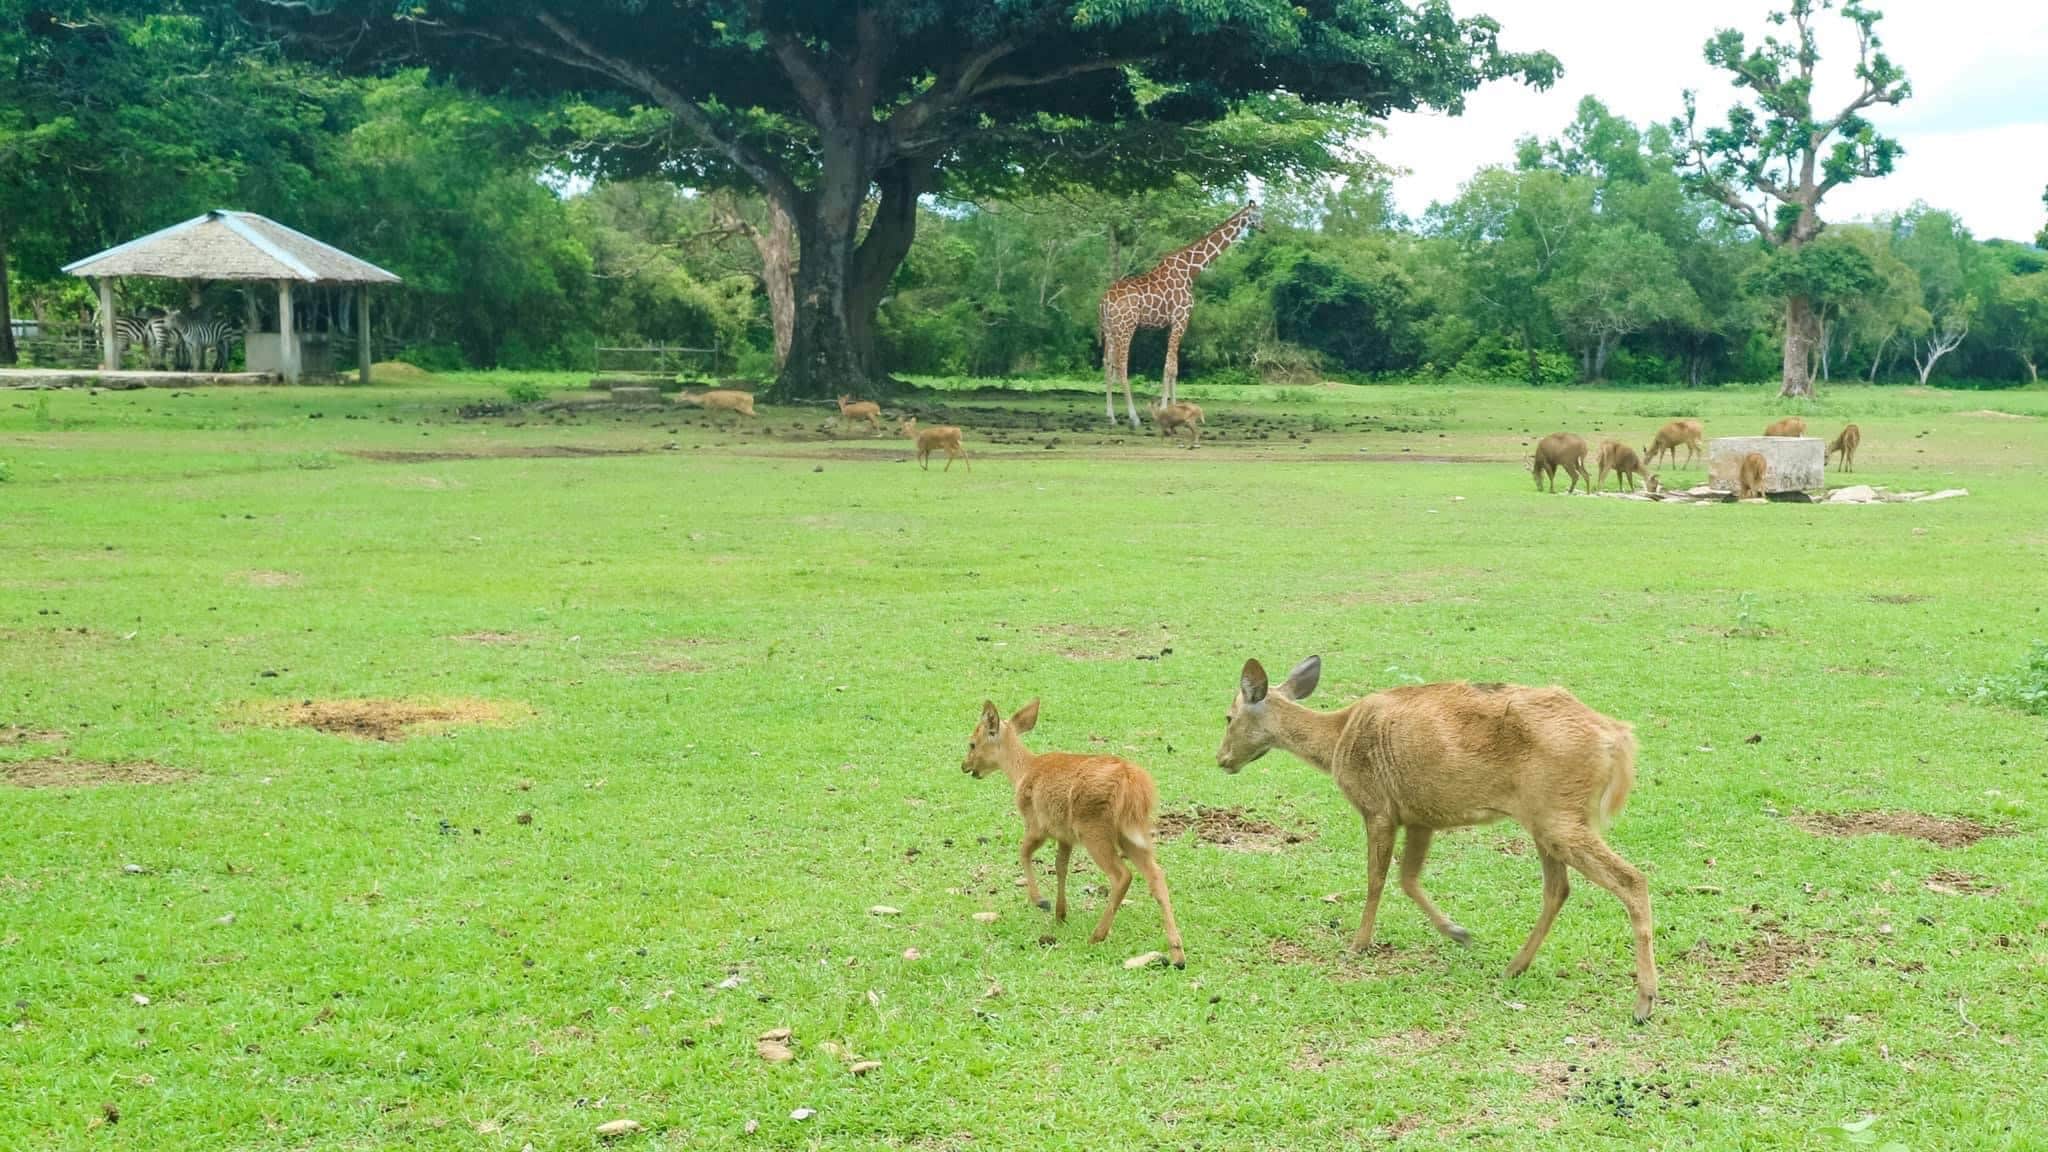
(1535,365)
(1798,347)
(1879,358)
(1600,356)
(8,353)
(777,247)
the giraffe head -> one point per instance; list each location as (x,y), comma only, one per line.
(1254,217)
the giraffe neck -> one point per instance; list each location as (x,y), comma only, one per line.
(1208,248)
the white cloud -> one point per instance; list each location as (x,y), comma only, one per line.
(1975,132)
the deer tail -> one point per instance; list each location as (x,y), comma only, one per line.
(1620,747)
(1133,809)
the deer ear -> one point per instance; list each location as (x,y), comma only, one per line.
(1026,718)
(991,720)
(1251,683)
(1303,679)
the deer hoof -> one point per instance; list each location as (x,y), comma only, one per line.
(1643,1005)
(1459,934)
(1045,904)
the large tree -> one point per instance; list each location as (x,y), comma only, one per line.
(827,105)
(1776,158)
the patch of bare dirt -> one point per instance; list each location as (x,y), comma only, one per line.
(1770,956)
(1897,598)
(12,735)
(1084,642)
(1946,831)
(1995,414)
(65,773)
(388,720)
(490,639)
(1551,1080)
(1951,882)
(1229,828)
(262,578)
(506,452)
(667,657)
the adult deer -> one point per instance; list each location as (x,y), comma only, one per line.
(1437,756)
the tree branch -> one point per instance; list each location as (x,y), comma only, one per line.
(1079,67)
(945,93)
(758,166)
(810,83)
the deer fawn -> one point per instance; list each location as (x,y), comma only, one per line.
(1749,481)
(723,400)
(1437,756)
(1560,450)
(1668,439)
(1846,443)
(1171,418)
(851,410)
(938,436)
(1789,426)
(1621,460)
(1103,803)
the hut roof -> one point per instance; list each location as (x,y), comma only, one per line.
(224,245)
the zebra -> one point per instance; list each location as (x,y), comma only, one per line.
(152,331)
(206,334)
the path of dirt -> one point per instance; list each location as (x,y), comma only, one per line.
(1946,831)
(66,773)
(1229,828)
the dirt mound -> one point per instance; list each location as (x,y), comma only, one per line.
(1229,828)
(266,579)
(1770,956)
(1946,831)
(387,720)
(398,372)
(1950,882)
(57,773)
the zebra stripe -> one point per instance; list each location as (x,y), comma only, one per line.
(152,333)
(211,334)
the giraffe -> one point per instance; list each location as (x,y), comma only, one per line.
(1161,298)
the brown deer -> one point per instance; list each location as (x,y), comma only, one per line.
(937,436)
(1103,803)
(1789,426)
(723,400)
(1846,443)
(1749,480)
(1621,460)
(1688,433)
(851,410)
(1171,418)
(1560,450)
(1436,756)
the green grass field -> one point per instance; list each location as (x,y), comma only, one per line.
(721,682)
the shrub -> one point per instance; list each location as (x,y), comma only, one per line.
(6,472)
(524,392)
(2026,689)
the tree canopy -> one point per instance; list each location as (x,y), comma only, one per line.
(820,105)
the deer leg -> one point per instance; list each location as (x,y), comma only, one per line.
(1415,849)
(1600,864)
(1059,867)
(1032,842)
(1103,848)
(1556,886)
(965,462)
(1155,879)
(1379,852)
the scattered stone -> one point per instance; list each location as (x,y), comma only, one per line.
(987,917)
(133,869)
(774,1052)
(884,910)
(1855,494)
(1145,960)
(751,1127)
(802,1114)
(1944,494)
(613,1129)
(776,1034)
(912,954)
(864,1067)
(731,982)
(141,1001)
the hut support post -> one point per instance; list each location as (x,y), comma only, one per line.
(110,348)
(363,332)
(250,324)
(287,335)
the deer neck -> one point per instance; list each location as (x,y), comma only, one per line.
(1017,760)
(1309,735)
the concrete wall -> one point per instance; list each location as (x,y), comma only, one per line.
(1791,463)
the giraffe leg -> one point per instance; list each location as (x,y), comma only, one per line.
(1170,378)
(1109,357)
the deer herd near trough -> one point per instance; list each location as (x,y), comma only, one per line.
(1566,452)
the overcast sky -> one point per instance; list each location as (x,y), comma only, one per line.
(1975,132)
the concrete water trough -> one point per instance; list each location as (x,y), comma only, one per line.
(1791,463)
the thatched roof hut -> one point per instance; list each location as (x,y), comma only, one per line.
(238,247)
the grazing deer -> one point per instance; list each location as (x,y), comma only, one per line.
(723,400)
(1437,756)
(1621,460)
(1749,480)
(1845,443)
(937,436)
(1560,450)
(1689,433)
(1789,426)
(851,410)
(1171,418)
(1103,803)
